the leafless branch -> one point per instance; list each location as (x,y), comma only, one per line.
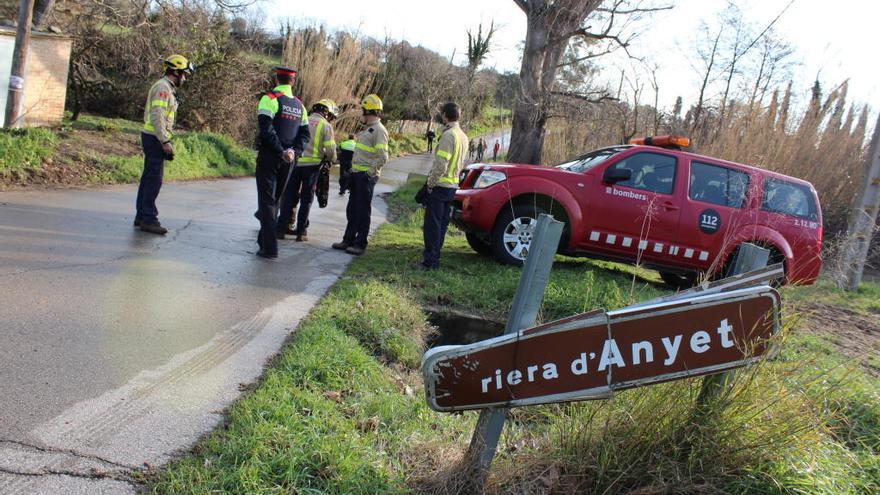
(587,98)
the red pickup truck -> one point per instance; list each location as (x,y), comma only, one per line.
(652,204)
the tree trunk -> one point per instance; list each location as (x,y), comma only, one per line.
(530,113)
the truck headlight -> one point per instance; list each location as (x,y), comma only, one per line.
(489,177)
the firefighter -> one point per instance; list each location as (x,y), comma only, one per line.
(159,114)
(345,155)
(442,183)
(321,148)
(283,132)
(370,154)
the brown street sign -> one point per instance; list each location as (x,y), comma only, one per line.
(589,356)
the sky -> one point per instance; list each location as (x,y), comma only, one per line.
(831,39)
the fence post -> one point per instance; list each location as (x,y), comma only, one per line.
(523,313)
(748,257)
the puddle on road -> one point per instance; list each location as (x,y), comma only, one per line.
(458,329)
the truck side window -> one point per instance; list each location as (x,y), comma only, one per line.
(789,199)
(650,172)
(718,185)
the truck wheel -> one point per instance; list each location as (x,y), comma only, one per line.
(512,235)
(678,281)
(478,244)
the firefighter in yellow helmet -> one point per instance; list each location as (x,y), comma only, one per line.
(370,154)
(319,149)
(159,114)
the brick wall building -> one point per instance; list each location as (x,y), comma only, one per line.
(45,80)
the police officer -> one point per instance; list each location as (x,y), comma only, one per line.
(346,152)
(320,148)
(370,154)
(283,131)
(442,183)
(159,114)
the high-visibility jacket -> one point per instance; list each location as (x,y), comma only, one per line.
(347,145)
(321,145)
(282,120)
(160,110)
(371,149)
(449,157)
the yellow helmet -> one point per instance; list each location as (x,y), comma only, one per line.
(179,62)
(330,105)
(372,102)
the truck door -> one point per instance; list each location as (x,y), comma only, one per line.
(714,209)
(636,217)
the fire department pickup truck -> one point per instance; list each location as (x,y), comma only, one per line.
(648,203)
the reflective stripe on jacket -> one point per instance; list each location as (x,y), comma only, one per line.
(282,120)
(371,149)
(449,157)
(321,146)
(160,110)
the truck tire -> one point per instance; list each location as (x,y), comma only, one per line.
(512,234)
(479,245)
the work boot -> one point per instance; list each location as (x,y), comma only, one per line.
(301,238)
(153,228)
(357,251)
(342,246)
(263,254)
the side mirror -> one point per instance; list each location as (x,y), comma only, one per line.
(615,175)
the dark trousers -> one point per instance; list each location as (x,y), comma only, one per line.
(300,187)
(271,177)
(359,208)
(430,145)
(344,174)
(437,210)
(151,180)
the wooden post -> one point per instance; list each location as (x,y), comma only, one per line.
(19,64)
(523,313)
(748,257)
(863,217)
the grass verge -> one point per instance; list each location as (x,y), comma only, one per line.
(341,408)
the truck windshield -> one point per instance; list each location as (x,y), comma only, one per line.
(591,159)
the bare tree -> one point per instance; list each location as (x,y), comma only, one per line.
(551,25)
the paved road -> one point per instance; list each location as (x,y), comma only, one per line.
(121,348)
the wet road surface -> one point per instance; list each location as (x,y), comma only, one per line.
(119,347)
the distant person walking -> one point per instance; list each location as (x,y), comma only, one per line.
(320,148)
(471,150)
(481,148)
(346,152)
(495,149)
(283,131)
(429,136)
(441,185)
(370,154)
(159,113)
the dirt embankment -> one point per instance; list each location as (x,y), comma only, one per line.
(853,334)
(75,161)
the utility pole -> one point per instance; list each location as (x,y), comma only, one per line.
(19,64)
(863,217)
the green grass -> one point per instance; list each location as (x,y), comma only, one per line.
(22,149)
(196,155)
(342,410)
(865,301)
(407,144)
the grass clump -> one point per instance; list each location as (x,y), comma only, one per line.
(22,149)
